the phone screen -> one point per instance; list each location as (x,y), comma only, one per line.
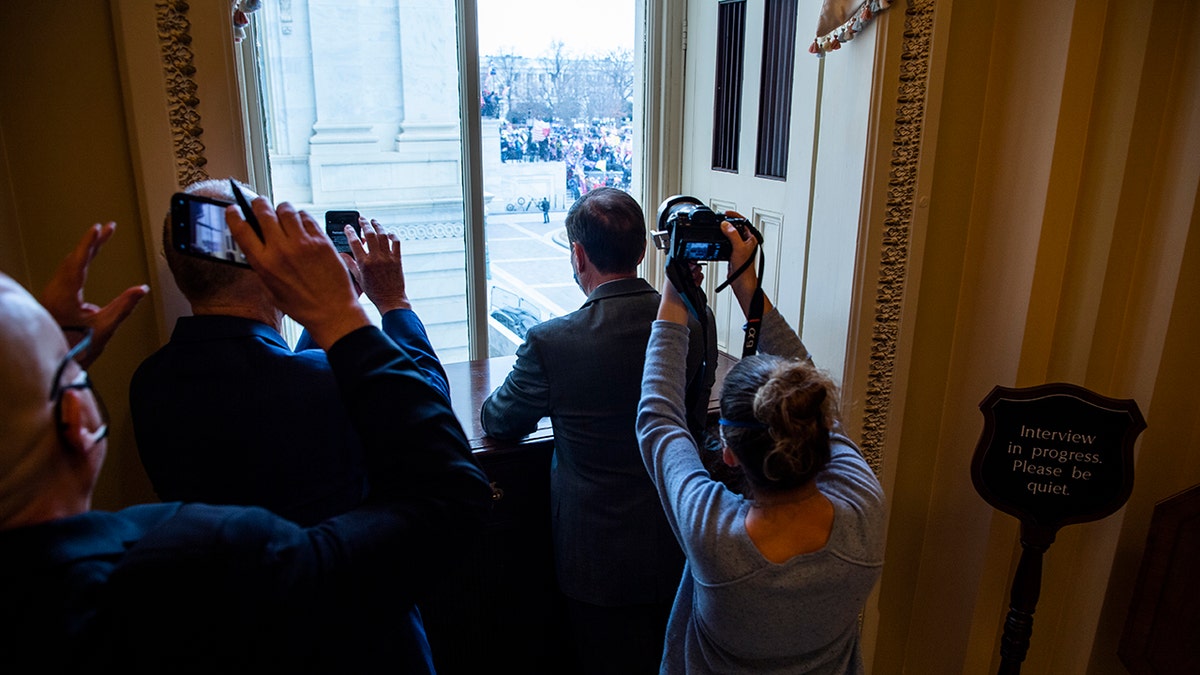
(335,225)
(198,228)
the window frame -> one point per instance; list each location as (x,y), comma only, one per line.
(250,91)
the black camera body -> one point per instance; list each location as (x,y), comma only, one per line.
(690,231)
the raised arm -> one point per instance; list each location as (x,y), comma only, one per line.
(377,265)
(743,252)
(513,410)
(775,335)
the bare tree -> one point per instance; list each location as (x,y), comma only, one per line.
(611,78)
(561,94)
(560,87)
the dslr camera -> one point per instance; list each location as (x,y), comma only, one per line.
(690,231)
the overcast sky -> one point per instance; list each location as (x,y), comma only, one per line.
(527,27)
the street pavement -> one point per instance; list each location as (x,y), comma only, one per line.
(529,264)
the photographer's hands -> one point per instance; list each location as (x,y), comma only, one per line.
(299,266)
(377,266)
(743,251)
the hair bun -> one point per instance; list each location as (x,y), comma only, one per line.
(795,394)
(797,403)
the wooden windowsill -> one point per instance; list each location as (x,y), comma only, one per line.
(471,382)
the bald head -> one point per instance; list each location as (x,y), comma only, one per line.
(31,346)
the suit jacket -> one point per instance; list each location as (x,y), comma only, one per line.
(612,543)
(226,413)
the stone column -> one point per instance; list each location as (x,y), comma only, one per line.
(428,47)
(356,70)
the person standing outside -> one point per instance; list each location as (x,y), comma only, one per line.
(544,205)
(616,560)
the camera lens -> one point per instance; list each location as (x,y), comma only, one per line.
(674,205)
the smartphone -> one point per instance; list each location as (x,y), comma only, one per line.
(335,226)
(198,228)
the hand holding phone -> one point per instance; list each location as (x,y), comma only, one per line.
(378,268)
(335,227)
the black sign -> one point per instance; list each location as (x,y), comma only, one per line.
(1050,455)
(1055,454)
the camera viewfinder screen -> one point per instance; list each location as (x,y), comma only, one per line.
(206,233)
(701,250)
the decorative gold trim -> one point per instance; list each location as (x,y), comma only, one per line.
(174,38)
(901,195)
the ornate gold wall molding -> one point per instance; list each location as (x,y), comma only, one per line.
(894,251)
(174,38)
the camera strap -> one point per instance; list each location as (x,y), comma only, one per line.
(753,322)
(754,315)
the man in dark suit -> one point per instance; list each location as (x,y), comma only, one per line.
(276,433)
(617,562)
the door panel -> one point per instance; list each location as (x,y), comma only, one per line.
(810,219)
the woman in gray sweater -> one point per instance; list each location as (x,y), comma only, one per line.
(775,579)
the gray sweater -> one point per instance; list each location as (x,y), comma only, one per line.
(735,611)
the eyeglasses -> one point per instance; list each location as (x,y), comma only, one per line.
(81,381)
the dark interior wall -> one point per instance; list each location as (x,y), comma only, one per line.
(67,165)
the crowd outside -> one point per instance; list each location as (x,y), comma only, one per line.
(596,154)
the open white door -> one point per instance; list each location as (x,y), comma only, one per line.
(809,216)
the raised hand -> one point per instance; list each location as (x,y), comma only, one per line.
(377,266)
(63,295)
(743,250)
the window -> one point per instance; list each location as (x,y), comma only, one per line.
(775,103)
(727,99)
(360,106)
